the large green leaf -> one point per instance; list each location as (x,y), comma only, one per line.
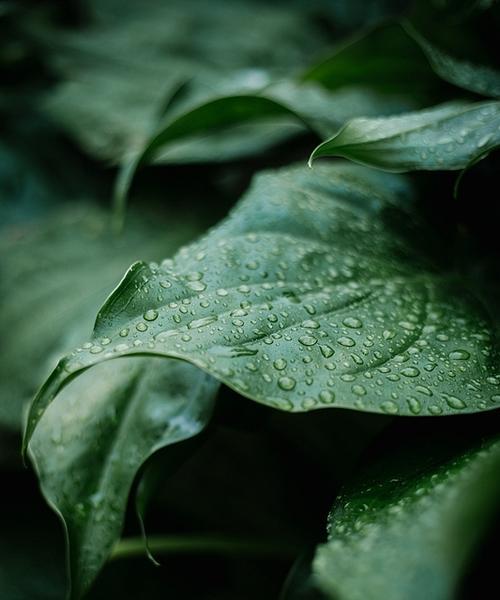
(94,439)
(314,292)
(450,136)
(407,526)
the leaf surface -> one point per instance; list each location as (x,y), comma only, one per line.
(408,527)
(94,439)
(446,137)
(316,291)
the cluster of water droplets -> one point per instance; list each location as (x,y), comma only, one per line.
(296,303)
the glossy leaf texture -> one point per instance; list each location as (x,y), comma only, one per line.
(95,437)
(446,137)
(477,78)
(57,270)
(316,291)
(408,525)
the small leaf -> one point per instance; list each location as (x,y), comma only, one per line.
(94,439)
(477,78)
(316,291)
(407,527)
(446,137)
(210,116)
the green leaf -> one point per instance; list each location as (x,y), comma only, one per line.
(210,116)
(446,137)
(94,439)
(56,272)
(118,73)
(384,58)
(282,108)
(477,78)
(407,527)
(314,292)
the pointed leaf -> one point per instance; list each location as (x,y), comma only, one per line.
(446,137)
(410,524)
(94,439)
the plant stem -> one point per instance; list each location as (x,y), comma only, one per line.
(197,544)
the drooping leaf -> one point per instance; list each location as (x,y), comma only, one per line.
(477,78)
(408,526)
(119,72)
(94,439)
(281,109)
(315,291)
(447,137)
(56,271)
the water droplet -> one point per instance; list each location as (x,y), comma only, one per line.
(141,326)
(309,403)
(410,372)
(454,402)
(280,364)
(307,340)
(346,341)
(197,323)
(414,405)
(196,286)
(222,292)
(150,315)
(327,397)
(389,407)
(310,324)
(352,322)
(326,350)
(359,390)
(286,383)
(459,354)
(96,349)
(124,332)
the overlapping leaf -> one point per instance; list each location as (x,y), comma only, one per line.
(94,439)
(408,527)
(447,137)
(314,292)
(119,74)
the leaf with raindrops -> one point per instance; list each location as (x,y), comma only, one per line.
(408,526)
(316,291)
(446,137)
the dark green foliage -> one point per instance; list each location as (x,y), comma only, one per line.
(199,292)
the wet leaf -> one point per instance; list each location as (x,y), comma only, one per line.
(93,440)
(408,525)
(56,272)
(316,291)
(446,137)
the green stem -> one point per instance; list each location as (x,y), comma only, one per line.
(196,544)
